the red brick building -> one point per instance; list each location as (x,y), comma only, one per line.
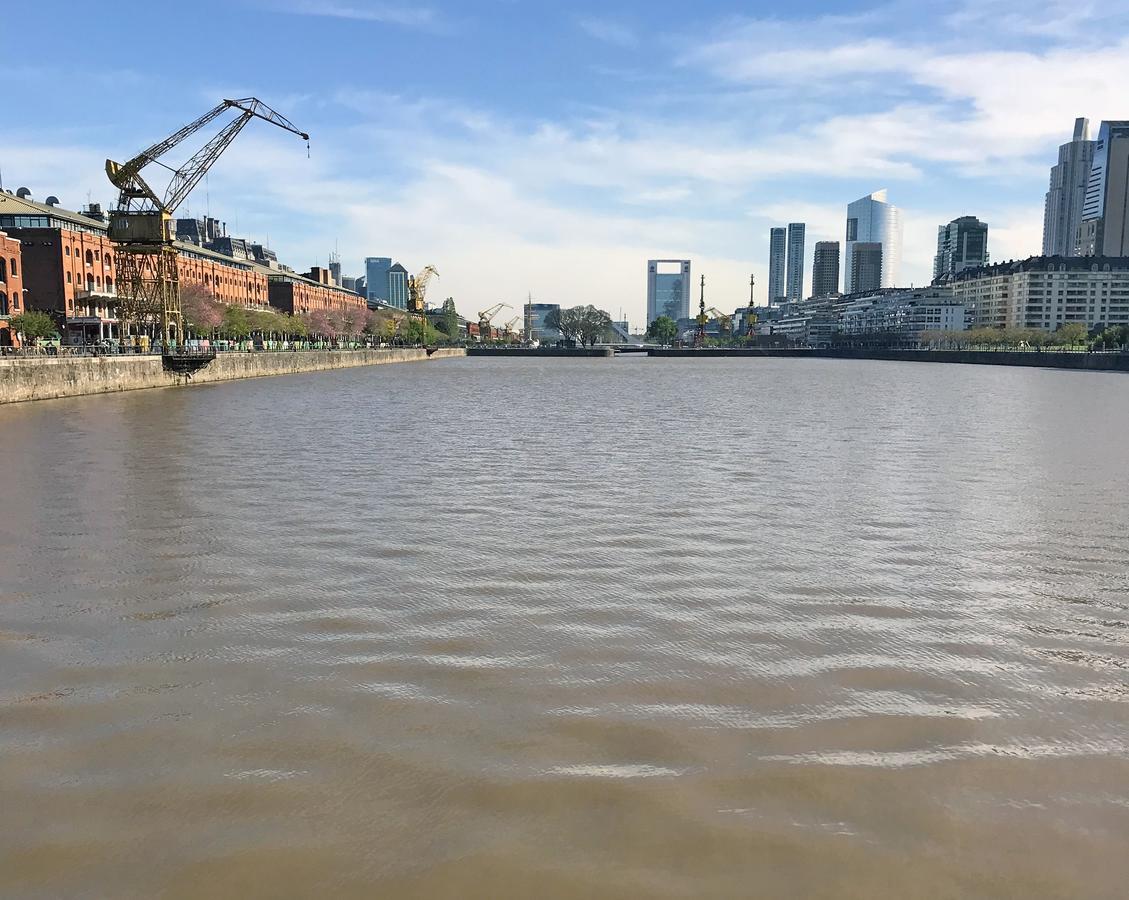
(71,273)
(11,287)
(303,295)
(235,282)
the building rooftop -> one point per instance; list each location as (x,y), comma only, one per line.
(11,205)
(1046,264)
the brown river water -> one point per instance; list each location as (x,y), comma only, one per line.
(570,628)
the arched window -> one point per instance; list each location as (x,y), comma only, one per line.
(109,284)
(68,277)
(109,259)
(3,304)
(67,249)
(13,268)
(89,258)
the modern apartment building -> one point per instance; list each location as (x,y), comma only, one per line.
(873,220)
(1104,230)
(668,289)
(825,269)
(535,315)
(777,254)
(1044,292)
(795,280)
(1066,195)
(962,244)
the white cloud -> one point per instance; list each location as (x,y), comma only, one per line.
(609,31)
(361,11)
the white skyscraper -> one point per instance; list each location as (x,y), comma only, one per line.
(872,220)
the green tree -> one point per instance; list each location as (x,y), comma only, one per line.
(664,330)
(34,325)
(1070,334)
(592,324)
(449,324)
(236,323)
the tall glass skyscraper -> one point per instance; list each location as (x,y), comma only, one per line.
(795,285)
(668,293)
(1104,229)
(872,220)
(376,278)
(777,253)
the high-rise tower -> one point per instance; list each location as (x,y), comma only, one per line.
(825,269)
(1104,229)
(962,244)
(795,285)
(777,253)
(1067,193)
(873,220)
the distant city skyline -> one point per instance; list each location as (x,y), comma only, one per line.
(487,159)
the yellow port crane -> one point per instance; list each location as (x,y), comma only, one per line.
(141,224)
(485,316)
(724,322)
(417,297)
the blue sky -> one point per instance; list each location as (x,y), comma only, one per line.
(524,147)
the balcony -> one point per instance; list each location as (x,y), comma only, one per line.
(93,293)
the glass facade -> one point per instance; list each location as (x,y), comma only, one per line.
(668,293)
(777,252)
(376,278)
(872,220)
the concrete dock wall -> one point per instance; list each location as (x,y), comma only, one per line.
(47,378)
(1049,359)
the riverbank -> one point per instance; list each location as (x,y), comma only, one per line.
(23,379)
(1047,359)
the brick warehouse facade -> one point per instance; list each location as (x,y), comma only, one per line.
(12,297)
(71,273)
(303,295)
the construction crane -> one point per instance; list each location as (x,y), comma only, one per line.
(700,335)
(750,313)
(486,315)
(509,328)
(724,322)
(417,296)
(141,225)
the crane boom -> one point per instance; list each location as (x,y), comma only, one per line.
(140,225)
(417,288)
(136,194)
(487,315)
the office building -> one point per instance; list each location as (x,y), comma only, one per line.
(1063,212)
(777,253)
(1104,230)
(1045,292)
(376,279)
(668,289)
(825,269)
(398,287)
(962,244)
(795,280)
(537,330)
(865,271)
(873,220)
